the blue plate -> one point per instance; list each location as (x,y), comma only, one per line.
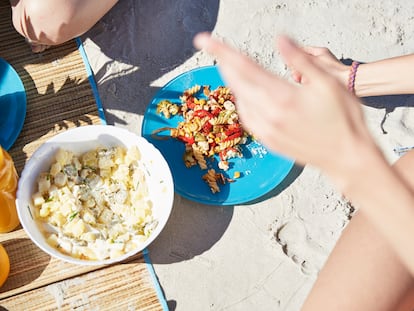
(261,170)
(12,105)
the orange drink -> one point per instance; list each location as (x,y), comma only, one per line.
(8,186)
(4,265)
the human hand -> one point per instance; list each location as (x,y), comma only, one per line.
(326,59)
(318,122)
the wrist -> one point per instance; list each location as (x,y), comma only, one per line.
(342,73)
(356,168)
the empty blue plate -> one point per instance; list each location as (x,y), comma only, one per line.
(261,170)
(12,105)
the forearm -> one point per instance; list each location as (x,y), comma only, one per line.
(385,77)
(387,200)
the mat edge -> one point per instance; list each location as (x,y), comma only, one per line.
(91,79)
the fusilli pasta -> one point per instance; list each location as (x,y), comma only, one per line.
(211,126)
(211,178)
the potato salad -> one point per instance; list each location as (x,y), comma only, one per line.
(95,205)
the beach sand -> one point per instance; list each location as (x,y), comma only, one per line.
(262,256)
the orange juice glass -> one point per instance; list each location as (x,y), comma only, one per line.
(4,265)
(8,186)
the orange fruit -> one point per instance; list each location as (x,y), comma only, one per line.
(4,265)
(8,186)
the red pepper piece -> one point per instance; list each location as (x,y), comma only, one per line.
(233,129)
(222,154)
(207,128)
(233,136)
(190,103)
(216,111)
(187,140)
(202,113)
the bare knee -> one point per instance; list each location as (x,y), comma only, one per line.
(46,22)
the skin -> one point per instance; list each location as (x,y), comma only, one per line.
(371,256)
(384,77)
(289,118)
(362,260)
(52,22)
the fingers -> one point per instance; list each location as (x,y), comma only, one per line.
(230,62)
(249,82)
(223,52)
(240,72)
(236,66)
(299,59)
(316,51)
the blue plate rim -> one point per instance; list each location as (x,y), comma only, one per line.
(22,107)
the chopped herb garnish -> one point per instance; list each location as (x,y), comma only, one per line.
(49,199)
(73,215)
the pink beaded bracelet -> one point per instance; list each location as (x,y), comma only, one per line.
(352,74)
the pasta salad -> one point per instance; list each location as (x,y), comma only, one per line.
(95,205)
(210,127)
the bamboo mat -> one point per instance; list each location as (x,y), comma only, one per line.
(60,96)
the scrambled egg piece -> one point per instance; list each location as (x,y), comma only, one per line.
(97,203)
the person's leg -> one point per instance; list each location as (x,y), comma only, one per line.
(363,272)
(52,22)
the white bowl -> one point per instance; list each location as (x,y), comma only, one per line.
(80,140)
